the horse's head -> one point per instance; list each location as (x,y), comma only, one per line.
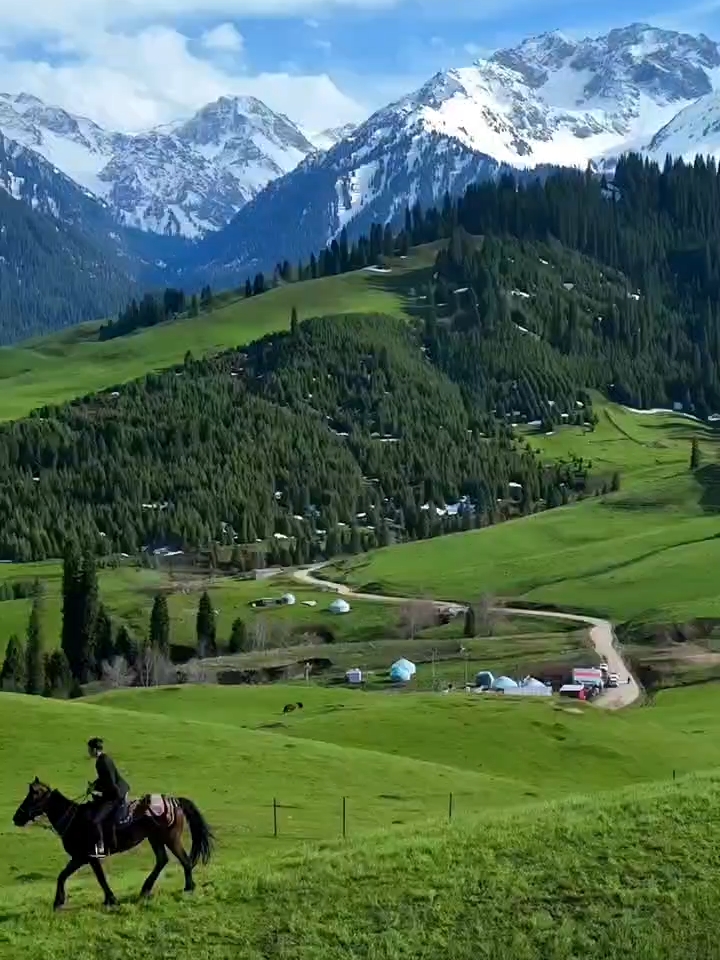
(34,804)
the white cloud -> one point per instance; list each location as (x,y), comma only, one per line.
(225,37)
(131,81)
(72,15)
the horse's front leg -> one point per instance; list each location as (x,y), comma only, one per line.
(69,870)
(97,869)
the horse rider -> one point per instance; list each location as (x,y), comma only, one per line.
(110,792)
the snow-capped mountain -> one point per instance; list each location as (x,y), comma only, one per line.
(548,102)
(333,135)
(694,130)
(181,179)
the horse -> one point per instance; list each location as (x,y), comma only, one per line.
(158,819)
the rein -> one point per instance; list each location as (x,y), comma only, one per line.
(68,818)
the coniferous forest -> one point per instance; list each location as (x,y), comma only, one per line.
(349,432)
(337,436)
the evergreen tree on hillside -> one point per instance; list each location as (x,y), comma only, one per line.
(160,625)
(13,673)
(126,646)
(238,641)
(103,646)
(58,679)
(695,458)
(87,587)
(70,606)
(34,655)
(205,627)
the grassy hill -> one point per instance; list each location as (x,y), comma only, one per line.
(644,553)
(71,364)
(622,874)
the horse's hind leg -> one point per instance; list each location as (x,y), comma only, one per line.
(97,869)
(161,861)
(175,846)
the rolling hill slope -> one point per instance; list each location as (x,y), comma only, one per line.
(626,873)
(54,369)
(643,553)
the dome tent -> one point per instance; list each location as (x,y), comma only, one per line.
(402,671)
(339,606)
(504,683)
(532,682)
(288,599)
(484,679)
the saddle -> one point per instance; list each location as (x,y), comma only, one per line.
(160,808)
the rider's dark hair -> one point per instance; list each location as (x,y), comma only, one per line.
(95,743)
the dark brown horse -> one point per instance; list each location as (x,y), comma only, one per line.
(159,820)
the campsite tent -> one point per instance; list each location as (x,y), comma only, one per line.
(288,599)
(484,679)
(504,683)
(402,671)
(354,676)
(339,606)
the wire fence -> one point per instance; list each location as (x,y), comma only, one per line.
(342,815)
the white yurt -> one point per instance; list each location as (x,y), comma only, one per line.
(339,606)
(402,671)
(354,676)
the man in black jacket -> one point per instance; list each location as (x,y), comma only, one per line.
(110,791)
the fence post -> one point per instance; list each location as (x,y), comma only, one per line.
(344,822)
(275,817)
(450,807)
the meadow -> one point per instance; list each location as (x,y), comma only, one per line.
(628,875)
(73,363)
(645,553)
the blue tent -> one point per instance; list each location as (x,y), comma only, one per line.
(484,679)
(402,671)
(504,683)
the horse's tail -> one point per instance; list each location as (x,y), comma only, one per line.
(202,836)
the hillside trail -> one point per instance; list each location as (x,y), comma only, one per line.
(602,634)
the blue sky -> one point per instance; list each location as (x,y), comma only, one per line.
(323,62)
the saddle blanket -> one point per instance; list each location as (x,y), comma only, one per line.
(156,805)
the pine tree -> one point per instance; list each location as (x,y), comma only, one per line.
(695,458)
(205,627)
(58,679)
(238,637)
(470,629)
(87,588)
(160,625)
(69,640)
(12,675)
(125,646)
(34,662)
(104,648)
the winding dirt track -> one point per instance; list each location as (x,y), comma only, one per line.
(601,633)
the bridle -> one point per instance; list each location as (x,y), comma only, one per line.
(38,809)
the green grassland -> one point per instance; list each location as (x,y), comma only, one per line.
(58,368)
(530,867)
(372,635)
(646,553)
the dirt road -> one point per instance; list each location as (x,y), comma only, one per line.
(601,633)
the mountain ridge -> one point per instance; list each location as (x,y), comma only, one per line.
(183,178)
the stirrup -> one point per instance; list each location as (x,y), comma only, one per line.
(98,852)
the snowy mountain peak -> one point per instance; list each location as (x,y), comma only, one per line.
(184,178)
